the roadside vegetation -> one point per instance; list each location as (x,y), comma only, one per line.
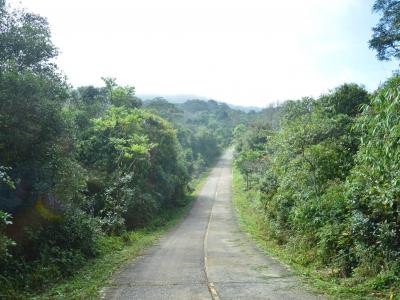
(115,250)
(86,171)
(326,185)
(323,180)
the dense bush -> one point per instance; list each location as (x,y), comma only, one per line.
(133,158)
(54,250)
(5,242)
(373,187)
(329,180)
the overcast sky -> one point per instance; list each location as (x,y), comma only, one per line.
(247,52)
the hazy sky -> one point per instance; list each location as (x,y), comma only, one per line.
(248,52)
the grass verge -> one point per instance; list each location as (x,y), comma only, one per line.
(87,282)
(252,221)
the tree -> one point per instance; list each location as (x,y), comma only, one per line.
(386,34)
(25,40)
(346,99)
(121,96)
(247,162)
(135,165)
(34,137)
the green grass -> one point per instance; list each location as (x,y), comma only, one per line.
(316,277)
(115,251)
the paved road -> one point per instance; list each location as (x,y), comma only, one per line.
(206,257)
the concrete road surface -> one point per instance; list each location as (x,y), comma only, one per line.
(206,257)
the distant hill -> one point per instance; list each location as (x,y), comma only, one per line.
(245,108)
(171,98)
(179,99)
